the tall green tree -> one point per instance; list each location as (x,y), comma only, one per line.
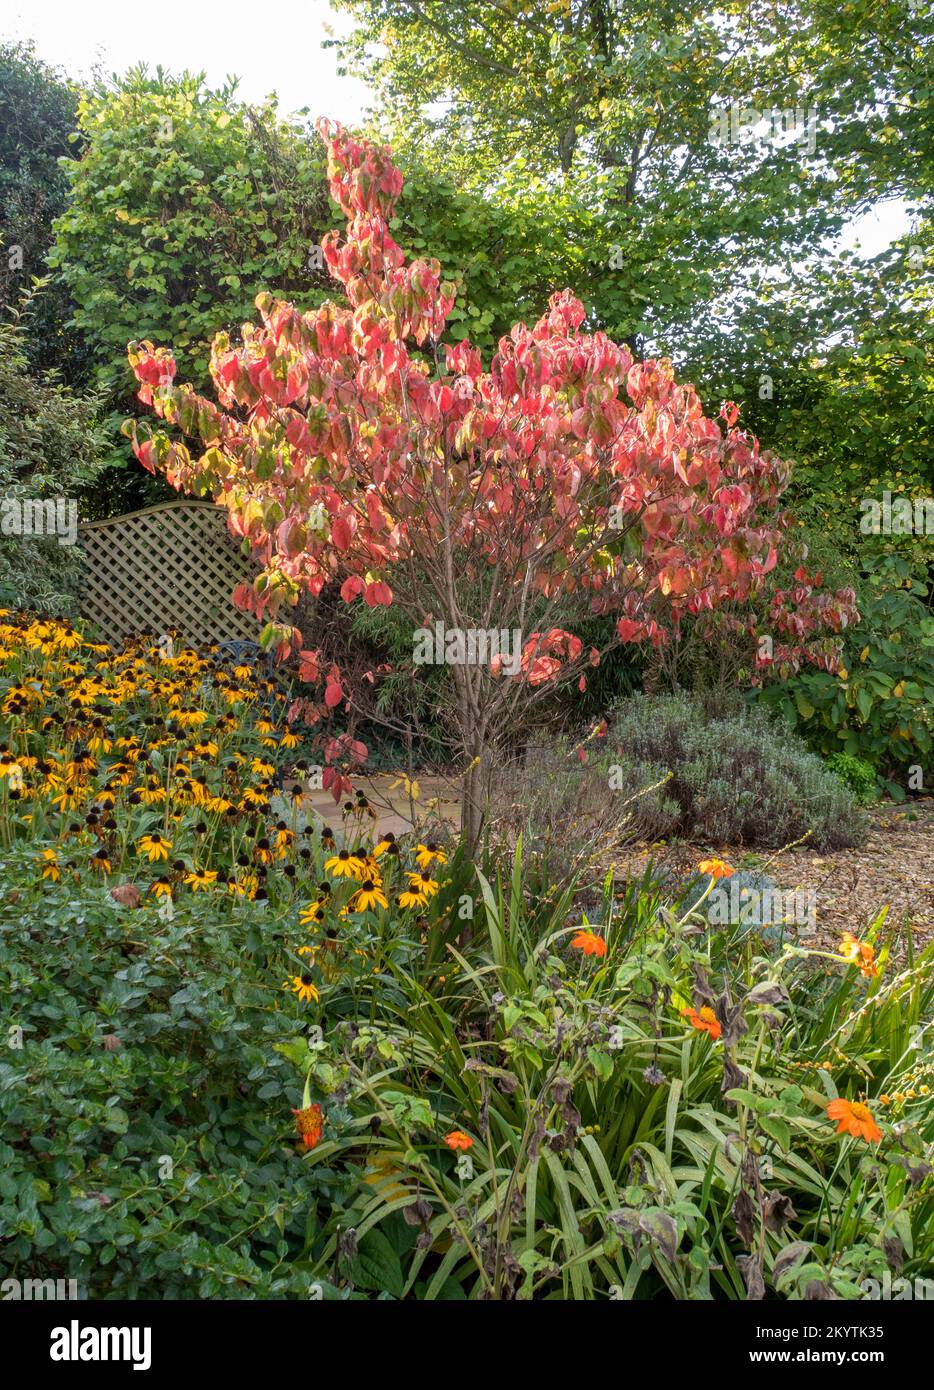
(183,203)
(644,115)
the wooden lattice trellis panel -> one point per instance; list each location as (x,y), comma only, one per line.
(172,566)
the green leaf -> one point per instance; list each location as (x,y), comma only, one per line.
(376,1266)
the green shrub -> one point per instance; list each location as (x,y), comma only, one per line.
(856,774)
(183,205)
(882,710)
(36,572)
(50,442)
(164,1168)
(736,778)
(37,118)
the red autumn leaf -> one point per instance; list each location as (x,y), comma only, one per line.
(308,667)
(378,593)
(352,588)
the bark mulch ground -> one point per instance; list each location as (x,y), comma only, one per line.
(893,868)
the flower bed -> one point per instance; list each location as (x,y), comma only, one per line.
(249,1055)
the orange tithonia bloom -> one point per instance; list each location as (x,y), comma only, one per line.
(860,953)
(589,942)
(854,1118)
(704,1020)
(458,1140)
(716,868)
(309,1123)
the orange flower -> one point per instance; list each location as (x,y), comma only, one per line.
(860,953)
(589,942)
(457,1139)
(854,1118)
(716,868)
(309,1123)
(705,1021)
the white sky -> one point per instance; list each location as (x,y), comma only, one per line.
(271,46)
(224,37)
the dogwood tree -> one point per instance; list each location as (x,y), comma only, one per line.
(562,480)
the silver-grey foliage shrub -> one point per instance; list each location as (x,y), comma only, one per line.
(738,778)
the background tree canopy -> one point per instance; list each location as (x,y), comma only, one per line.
(37,123)
(613,104)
